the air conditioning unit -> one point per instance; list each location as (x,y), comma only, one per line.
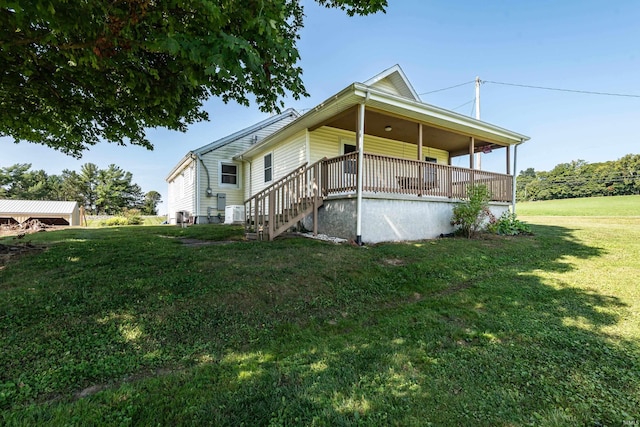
(234,214)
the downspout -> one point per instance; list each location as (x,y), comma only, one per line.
(515,174)
(197,192)
(360,171)
(209,191)
(249,193)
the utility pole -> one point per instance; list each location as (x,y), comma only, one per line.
(478,155)
(478,98)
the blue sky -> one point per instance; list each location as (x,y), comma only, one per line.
(580,45)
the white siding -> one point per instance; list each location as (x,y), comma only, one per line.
(287,156)
(184,185)
(387,86)
(181,192)
(235,195)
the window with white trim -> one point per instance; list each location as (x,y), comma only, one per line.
(228,174)
(268,167)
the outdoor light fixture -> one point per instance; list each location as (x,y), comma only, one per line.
(388,128)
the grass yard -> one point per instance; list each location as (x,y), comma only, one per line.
(588,206)
(147,325)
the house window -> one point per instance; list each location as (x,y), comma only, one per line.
(431,159)
(228,173)
(349,165)
(268,167)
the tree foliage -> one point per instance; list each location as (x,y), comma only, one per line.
(581,179)
(150,204)
(74,73)
(101,191)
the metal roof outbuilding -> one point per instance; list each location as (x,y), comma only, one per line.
(48,211)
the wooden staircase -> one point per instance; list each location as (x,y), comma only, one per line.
(284,203)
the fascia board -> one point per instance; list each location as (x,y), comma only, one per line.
(182,164)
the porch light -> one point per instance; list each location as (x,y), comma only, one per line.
(388,128)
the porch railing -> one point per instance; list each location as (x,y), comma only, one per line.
(384,174)
(276,208)
(300,193)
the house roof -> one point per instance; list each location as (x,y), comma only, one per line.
(229,139)
(246,131)
(443,129)
(395,77)
(36,207)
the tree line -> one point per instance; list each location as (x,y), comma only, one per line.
(581,179)
(107,191)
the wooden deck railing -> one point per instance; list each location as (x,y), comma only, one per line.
(276,208)
(384,174)
(279,206)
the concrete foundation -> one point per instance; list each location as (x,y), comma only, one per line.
(386,219)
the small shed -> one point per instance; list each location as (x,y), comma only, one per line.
(46,211)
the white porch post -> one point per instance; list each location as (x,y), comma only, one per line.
(472,145)
(360,142)
(515,157)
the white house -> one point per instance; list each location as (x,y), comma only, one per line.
(371,163)
(208,179)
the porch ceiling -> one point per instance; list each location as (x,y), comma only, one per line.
(404,130)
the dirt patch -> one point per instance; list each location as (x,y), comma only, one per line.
(17,248)
(9,252)
(28,227)
(393,262)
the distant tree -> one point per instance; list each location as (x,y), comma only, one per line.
(20,182)
(581,179)
(82,186)
(523,179)
(116,191)
(628,168)
(78,72)
(151,200)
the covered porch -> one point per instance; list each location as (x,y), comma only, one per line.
(396,176)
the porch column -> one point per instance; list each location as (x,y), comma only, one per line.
(420,142)
(360,143)
(472,145)
(508,160)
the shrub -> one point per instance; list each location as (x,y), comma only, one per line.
(469,216)
(115,221)
(509,225)
(128,217)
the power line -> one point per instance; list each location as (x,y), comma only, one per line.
(447,88)
(462,105)
(588,92)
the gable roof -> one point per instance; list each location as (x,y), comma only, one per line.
(396,78)
(36,206)
(246,131)
(290,112)
(377,97)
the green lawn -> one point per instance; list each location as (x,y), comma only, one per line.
(131,326)
(589,206)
